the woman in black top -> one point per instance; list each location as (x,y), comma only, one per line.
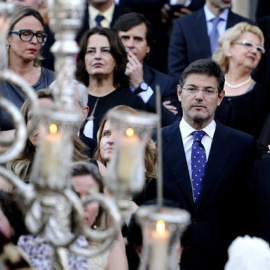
(245,105)
(101,67)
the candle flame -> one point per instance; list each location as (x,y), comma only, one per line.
(53,128)
(160,227)
(130,132)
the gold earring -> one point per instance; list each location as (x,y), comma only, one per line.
(8,46)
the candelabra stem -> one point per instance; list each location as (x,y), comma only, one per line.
(159,148)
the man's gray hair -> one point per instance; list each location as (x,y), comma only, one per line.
(82,94)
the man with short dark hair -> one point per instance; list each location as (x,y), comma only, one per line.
(207,169)
(136,35)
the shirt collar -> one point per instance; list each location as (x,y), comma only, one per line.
(186,129)
(210,16)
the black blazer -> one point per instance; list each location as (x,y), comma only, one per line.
(168,89)
(190,41)
(118,11)
(221,211)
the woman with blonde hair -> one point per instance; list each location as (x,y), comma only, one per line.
(245,105)
(105,148)
(25,40)
(22,165)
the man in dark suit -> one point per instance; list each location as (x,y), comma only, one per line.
(136,35)
(105,8)
(213,187)
(191,35)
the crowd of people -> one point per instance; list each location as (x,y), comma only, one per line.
(212,70)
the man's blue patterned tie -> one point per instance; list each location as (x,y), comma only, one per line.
(198,163)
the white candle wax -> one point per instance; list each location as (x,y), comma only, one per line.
(52,148)
(128,157)
(160,241)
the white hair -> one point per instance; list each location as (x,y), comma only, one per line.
(248,253)
(82,94)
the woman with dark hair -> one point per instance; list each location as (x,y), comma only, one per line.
(24,46)
(12,226)
(11,217)
(101,65)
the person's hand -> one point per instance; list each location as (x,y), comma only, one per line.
(268,148)
(168,106)
(166,13)
(182,12)
(134,70)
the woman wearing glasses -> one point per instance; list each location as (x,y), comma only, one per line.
(24,45)
(245,105)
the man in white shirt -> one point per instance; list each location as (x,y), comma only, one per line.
(212,186)
(136,34)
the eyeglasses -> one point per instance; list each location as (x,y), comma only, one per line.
(27,35)
(250,45)
(195,90)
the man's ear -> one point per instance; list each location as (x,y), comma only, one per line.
(179,92)
(220,97)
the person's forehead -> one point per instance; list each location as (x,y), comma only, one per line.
(137,30)
(84,181)
(201,80)
(31,3)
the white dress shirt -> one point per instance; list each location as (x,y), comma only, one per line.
(187,138)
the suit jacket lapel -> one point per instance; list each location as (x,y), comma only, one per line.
(199,31)
(175,157)
(218,158)
(231,20)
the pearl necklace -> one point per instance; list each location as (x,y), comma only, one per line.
(238,85)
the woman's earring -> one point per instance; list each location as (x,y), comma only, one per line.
(8,46)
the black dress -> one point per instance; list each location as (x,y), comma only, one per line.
(120,96)
(264,139)
(245,112)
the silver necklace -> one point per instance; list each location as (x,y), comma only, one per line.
(238,85)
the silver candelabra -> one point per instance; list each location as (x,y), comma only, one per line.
(49,198)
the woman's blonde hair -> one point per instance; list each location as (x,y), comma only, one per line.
(19,14)
(229,37)
(21,165)
(150,157)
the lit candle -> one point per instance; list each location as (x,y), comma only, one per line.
(129,155)
(160,241)
(52,148)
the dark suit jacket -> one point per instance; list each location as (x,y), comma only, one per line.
(262,193)
(118,11)
(220,213)
(263,70)
(168,89)
(190,40)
